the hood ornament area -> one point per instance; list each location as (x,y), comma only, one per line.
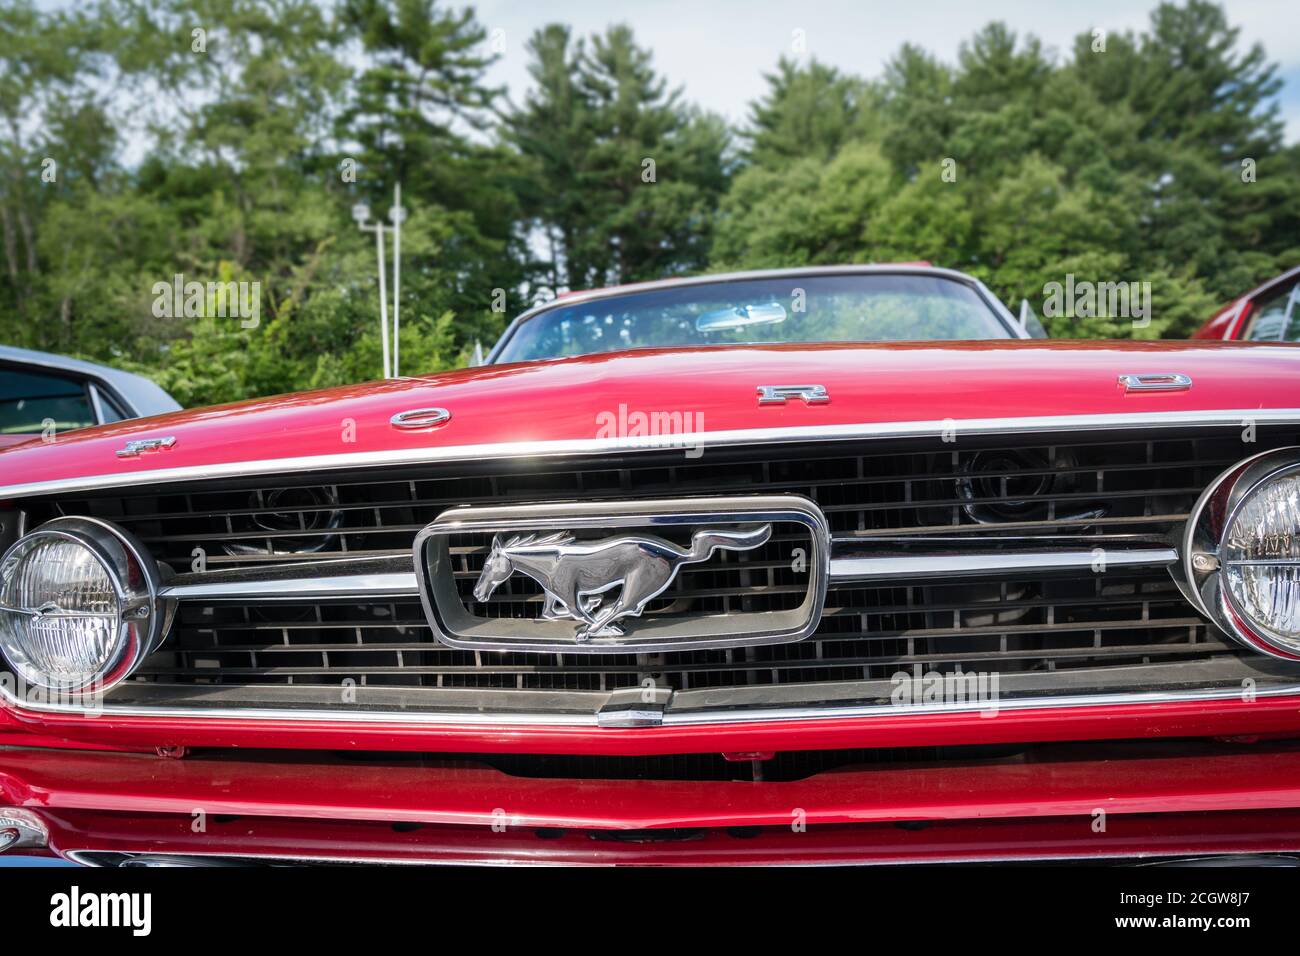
(576,576)
(420,418)
(134,449)
(779,394)
(1155,381)
(584,577)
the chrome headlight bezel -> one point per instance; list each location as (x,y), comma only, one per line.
(1201,561)
(141,615)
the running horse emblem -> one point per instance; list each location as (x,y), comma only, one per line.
(576,574)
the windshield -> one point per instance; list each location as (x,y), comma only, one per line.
(842,308)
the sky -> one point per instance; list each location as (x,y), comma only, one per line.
(718,50)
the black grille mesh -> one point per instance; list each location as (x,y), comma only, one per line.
(867,633)
(1101,487)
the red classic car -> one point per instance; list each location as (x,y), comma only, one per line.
(817,565)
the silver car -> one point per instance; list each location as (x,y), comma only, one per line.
(37,389)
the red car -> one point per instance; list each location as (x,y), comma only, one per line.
(819,565)
(1266,314)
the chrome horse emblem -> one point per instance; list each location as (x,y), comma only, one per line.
(577,574)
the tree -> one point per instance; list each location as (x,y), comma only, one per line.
(56,140)
(419,116)
(1129,162)
(807,112)
(623,179)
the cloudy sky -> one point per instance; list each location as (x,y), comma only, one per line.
(719,49)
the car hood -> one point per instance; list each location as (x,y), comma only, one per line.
(604,401)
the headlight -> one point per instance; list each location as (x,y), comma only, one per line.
(79,606)
(1242,552)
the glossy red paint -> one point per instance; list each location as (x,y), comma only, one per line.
(1069,782)
(571,399)
(1044,838)
(1234,717)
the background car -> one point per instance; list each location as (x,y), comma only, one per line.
(1265,314)
(37,388)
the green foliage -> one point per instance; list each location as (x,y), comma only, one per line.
(807,113)
(806,213)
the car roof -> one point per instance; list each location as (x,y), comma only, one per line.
(143,396)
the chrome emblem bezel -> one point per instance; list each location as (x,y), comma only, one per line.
(630,526)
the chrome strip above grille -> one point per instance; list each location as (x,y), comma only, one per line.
(1146,420)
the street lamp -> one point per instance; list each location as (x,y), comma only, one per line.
(398,215)
(361,213)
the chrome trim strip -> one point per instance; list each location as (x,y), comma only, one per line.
(96,403)
(1036,703)
(358,577)
(695,718)
(850,560)
(894,566)
(1148,421)
(401,584)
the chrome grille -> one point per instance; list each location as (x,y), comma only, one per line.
(1103,489)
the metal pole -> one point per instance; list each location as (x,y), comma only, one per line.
(397,271)
(383,298)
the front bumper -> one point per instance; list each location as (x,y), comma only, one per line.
(1078,801)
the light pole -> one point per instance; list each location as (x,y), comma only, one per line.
(398,215)
(361,213)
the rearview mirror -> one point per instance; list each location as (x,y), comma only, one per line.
(742,316)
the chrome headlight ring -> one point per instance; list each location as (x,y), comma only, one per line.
(138,616)
(1207,554)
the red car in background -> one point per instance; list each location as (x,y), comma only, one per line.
(817,565)
(1265,314)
